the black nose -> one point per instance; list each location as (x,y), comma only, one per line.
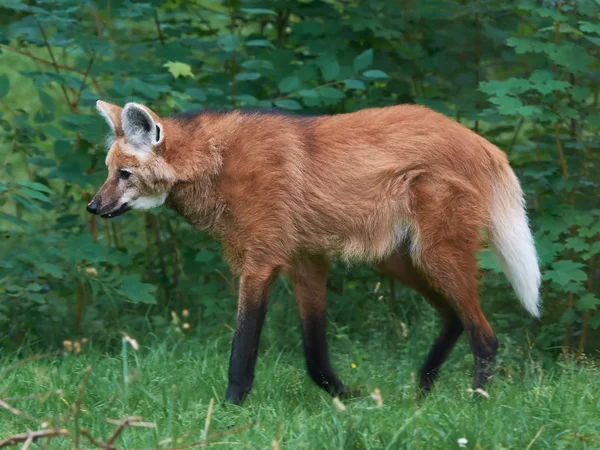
(92,206)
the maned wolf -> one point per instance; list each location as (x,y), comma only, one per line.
(402,187)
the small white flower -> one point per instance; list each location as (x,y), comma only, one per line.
(462,442)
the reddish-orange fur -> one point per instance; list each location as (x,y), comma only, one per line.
(403,187)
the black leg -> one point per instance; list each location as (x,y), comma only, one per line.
(309,277)
(314,330)
(484,348)
(252,308)
(442,347)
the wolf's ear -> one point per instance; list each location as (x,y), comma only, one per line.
(112,115)
(141,126)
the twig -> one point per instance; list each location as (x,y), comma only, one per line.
(33,436)
(124,423)
(41,60)
(9,408)
(208,418)
(77,406)
(39,397)
(90,438)
(515,136)
(28,442)
(161,36)
(537,435)
(586,314)
(54,63)
(31,358)
(134,424)
(85,75)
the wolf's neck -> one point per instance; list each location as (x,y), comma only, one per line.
(195,151)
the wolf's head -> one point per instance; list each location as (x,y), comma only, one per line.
(138,175)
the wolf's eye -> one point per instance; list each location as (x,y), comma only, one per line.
(124,174)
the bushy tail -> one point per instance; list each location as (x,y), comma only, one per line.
(512,240)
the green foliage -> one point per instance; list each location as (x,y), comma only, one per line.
(521,73)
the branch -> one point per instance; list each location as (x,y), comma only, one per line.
(124,423)
(42,60)
(54,63)
(32,436)
(85,75)
(31,358)
(17,412)
(161,36)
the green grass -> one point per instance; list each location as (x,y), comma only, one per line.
(173,379)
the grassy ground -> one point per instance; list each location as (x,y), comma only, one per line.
(172,381)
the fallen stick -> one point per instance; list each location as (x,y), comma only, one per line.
(32,436)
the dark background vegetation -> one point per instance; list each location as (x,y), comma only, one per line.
(524,74)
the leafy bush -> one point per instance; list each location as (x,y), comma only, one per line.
(523,75)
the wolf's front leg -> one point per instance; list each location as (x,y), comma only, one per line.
(255,287)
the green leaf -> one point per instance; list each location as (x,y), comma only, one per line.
(228,42)
(576,243)
(565,271)
(258,64)
(488,261)
(14,288)
(568,317)
(196,94)
(331,93)
(288,104)
(588,232)
(4,85)
(51,269)
(13,219)
(36,186)
(354,84)
(46,100)
(204,257)
(375,74)
(247,76)
(501,88)
(587,302)
(507,105)
(258,11)
(34,287)
(580,93)
(135,291)
(330,69)
(35,297)
(308,93)
(289,84)
(527,45)
(527,111)
(544,82)
(78,120)
(34,194)
(258,43)
(573,57)
(179,69)
(589,27)
(593,250)
(362,61)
